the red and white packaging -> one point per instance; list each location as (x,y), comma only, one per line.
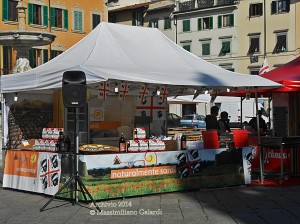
(134,146)
(143,145)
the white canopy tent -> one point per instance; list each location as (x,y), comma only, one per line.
(134,54)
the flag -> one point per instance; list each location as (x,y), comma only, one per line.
(264,67)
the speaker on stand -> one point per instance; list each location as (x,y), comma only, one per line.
(74,96)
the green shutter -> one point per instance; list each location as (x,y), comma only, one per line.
(80,21)
(52,17)
(186,25)
(210,22)
(219,21)
(187,47)
(260,9)
(287,5)
(66,24)
(45,15)
(31,58)
(45,55)
(30,13)
(150,23)
(52,54)
(4,10)
(76,20)
(273,7)
(206,49)
(231,20)
(199,24)
(133,18)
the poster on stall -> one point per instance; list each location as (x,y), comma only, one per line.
(96,113)
(32,171)
(123,175)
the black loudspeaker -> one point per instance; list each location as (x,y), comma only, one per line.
(74,89)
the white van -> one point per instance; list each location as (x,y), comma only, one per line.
(233,108)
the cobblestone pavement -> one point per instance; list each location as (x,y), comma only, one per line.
(245,204)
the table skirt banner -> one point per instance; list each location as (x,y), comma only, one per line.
(32,171)
(272,159)
(123,175)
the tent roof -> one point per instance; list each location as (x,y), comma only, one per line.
(288,75)
(129,53)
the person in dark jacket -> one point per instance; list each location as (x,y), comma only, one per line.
(211,119)
(224,123)
(262,123)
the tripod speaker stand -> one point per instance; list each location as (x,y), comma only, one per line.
(74,96)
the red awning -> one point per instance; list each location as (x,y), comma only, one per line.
(289,73)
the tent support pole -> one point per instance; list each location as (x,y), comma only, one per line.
(261,157)
(3,106)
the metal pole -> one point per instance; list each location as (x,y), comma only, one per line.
(265,30)
(50,28)
(261,157)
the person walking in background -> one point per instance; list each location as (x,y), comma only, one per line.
(224,123)
(211,119)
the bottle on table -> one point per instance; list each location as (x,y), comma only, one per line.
(135,134)
(122,144)
(183,142)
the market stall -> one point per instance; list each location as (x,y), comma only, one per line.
(129,73)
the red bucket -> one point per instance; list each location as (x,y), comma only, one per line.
(210,139)
(240,138)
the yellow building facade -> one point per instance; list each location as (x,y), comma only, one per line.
(69,20)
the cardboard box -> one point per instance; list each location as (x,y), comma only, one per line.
(171,145)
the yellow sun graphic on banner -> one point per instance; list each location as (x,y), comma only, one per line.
(150,157)
(98,114)
(33,158)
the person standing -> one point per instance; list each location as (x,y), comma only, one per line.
(211,119)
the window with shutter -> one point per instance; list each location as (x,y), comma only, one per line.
(187,47)
(167,23)
(96,20)
(45,15)
(186,25)
(254,45)
(219,21)
(231,20)
(207,23)
(78,20)
(66,22)
(9,11)
(210,22)
(45,55)
(205,49)
(255,10)
(7,60)
(199,24)
(281,44)
(36,14)
(281,6)
(225,48)
(133,18)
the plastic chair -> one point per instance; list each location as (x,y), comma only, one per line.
(210,139)
(241,138)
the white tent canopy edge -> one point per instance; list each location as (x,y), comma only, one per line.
(133,54)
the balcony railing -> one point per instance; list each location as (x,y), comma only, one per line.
(205,3)
(225,2)
(200,4)
(187,5)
